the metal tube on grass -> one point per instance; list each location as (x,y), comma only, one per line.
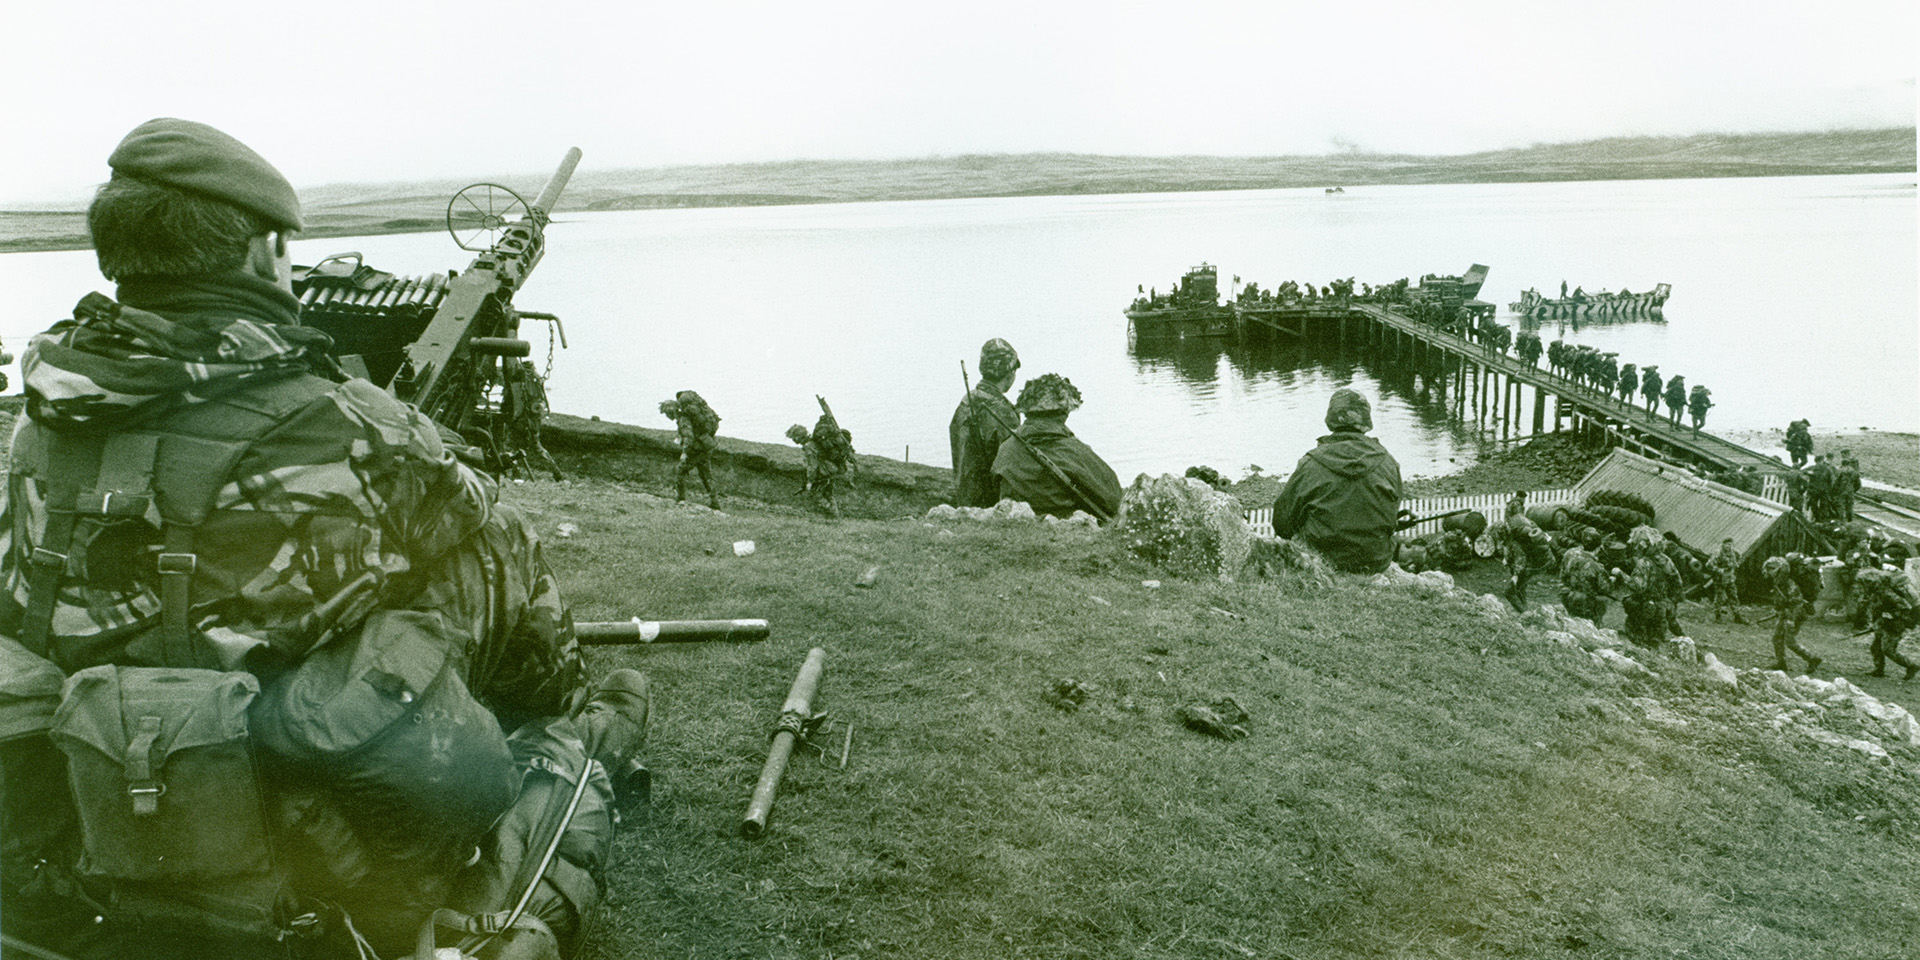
(793,717)
(614,632)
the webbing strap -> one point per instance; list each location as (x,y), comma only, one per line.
(177,562)
(138,764)
(74,466)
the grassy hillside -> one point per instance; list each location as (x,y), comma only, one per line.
(361,209)
(1422,777)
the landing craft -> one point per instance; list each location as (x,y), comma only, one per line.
(1191,309)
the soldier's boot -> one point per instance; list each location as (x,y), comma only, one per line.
(611,717)
(1897,657)
(680,490)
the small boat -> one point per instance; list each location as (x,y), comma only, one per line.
(1191,309)
(1581,305)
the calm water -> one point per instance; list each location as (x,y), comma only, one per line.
(1793,297)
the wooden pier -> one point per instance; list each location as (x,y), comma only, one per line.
(1492,388)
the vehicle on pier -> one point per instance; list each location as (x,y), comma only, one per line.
(1191,309)
(1581,305)
(1451,302)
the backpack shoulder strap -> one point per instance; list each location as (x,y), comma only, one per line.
(175,463)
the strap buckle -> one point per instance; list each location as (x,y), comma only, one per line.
(42,557)
(178,563)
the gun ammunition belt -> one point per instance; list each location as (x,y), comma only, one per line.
(400,296)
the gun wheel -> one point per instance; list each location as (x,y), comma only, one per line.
(478,213)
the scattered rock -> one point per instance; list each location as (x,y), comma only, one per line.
(1680,649)
(1185,525)
(1222,718)
(1563,638)
(1069,694)
(1150,584)
(945,511)
(1657,713)
(1619,663)
(1099,600)
(866,579)
(1719,673)
(1493,606)
(743,548)
(567,529)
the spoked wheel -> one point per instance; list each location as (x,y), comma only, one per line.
(478,213)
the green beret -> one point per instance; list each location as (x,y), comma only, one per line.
(196,157)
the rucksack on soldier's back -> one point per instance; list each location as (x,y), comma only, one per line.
(173,820)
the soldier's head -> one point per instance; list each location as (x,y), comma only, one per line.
(998,360)
(187,200)
(670,409)
(798,434)
(1049,394)
(1645,539)
(1349,412)
(1774,567)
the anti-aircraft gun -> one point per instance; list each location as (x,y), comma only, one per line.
(450,343)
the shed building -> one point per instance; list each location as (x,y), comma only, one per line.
(1701,512)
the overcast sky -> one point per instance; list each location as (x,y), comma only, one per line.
(381,91)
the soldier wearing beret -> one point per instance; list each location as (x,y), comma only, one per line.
(210,537)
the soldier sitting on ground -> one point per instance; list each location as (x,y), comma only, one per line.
(1343,498)
(1034,462)
(285,630)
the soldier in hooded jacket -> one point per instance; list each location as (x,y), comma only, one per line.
(1343,498)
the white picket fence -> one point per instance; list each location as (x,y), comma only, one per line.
(1493,505)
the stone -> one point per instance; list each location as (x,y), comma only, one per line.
(1658,714)
(1185,525)
(1680,650)
(944,511)
(1719,673)
(1619,663)
(1563,638)
(1493,606)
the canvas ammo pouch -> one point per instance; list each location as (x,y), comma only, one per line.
(171,813)
(384,717)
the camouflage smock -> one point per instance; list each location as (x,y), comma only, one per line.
(353,490)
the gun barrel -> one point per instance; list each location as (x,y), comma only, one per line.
(550,194)
(611,632)
(793,715)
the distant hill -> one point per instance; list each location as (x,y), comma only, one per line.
(361,209)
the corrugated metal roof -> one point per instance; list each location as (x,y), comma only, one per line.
(1698,511)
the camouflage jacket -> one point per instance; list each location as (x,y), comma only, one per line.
(344,500)
(981,423)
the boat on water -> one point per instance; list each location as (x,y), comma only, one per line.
(1582,305)
(1191,309)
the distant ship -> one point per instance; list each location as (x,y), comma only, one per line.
(1191,309)
(1581,305)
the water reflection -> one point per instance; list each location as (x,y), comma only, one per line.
(1285,384)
